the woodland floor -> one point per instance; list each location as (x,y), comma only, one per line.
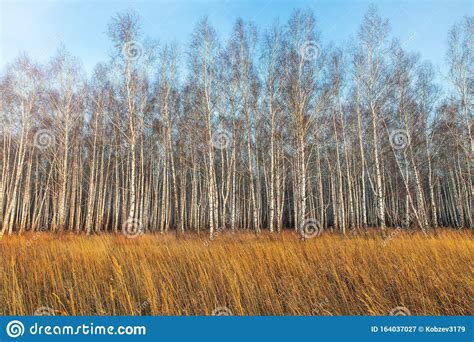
(237,273)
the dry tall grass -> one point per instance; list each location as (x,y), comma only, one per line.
(271,275)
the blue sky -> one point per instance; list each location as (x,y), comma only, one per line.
(38,27)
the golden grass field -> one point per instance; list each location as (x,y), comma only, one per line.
(269,275)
